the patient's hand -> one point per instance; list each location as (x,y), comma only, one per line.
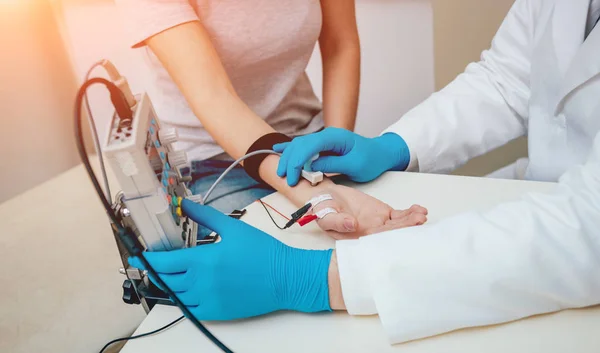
(361,214)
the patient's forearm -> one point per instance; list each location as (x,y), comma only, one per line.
(187,53)
(298,194)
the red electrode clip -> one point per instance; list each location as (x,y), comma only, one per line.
(306,220)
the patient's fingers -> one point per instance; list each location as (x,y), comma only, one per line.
(409,220)
(403,213)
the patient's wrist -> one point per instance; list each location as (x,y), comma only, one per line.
(298,194)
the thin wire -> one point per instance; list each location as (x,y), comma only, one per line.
(238,161)
(216,198)
(269,213)
(274,209)
(95,131)
(141,335)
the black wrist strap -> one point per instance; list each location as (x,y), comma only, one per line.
(266,142)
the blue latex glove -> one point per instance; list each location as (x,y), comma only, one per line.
(247,273)
(362,159)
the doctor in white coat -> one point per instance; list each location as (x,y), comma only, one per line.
(541,78)
(537,255)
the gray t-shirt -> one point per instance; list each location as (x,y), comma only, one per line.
(264,45)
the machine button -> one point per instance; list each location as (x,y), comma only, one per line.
(151,130)
(156,144)
(167,165)
(165,183)
(178,211)
(153,122)
(168,136)
(177,158)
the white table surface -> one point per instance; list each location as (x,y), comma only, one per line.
(61,289)
(567,331)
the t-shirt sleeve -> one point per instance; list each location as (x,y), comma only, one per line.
(145,18)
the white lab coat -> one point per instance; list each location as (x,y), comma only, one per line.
(537,255)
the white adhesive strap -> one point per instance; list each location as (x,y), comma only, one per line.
(317,200)
(324,212)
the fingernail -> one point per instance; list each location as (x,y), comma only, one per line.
(349,224)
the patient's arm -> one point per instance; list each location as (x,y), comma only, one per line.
(188,55)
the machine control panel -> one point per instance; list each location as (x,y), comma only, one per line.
(147,169)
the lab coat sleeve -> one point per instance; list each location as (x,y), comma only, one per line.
(482,109)
(537,255)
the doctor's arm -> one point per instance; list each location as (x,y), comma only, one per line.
(534,256)
(482,109)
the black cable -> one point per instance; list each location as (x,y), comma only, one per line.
(269,213)
(81,145)
(141,335)
(92,123)
(129,241)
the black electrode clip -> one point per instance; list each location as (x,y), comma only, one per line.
(297,215)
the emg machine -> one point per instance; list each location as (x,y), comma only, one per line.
(152,187)
(148,171)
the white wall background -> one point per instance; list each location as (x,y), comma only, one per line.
(93,31)
(37,89)
(397,62)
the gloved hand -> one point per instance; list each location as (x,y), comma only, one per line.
(362,159)
(247,273)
